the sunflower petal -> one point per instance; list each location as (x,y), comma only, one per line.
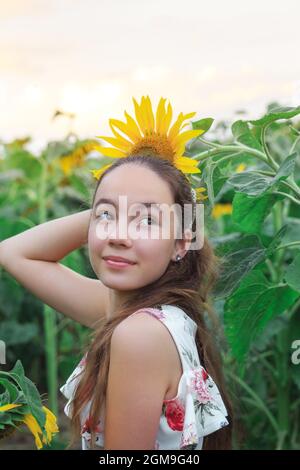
(175,129)
(122,126)
(50,425)
(185,137)
(9,406)
(135,133)
(186,169)
(98,173)
(160,115)
(140,115)
(188,161)
(121,144)
(149,115)
(109,151)
(167,120)
(181,164)
(34,427)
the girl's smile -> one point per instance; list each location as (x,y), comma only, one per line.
(117,264)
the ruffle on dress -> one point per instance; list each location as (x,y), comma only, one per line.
(68,389)
(197,410)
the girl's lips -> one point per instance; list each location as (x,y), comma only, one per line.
(117,264)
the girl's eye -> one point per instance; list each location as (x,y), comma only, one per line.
(149,218)
(101,213)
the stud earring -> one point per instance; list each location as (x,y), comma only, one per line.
(178,257)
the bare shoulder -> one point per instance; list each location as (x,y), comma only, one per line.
(145,336)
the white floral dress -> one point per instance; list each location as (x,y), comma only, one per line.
(196,411)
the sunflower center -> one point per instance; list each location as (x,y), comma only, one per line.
(157,144)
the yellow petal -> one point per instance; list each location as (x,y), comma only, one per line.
(34,427)
(160,114)
(187,161)
(135,133)
(167,120)
(175,129)
(98,173)
(240,167)
(140,116)
(50,426)
(182,165)
(9,406)
(185,137)
(109,151)
(201,197)
(122,126)
(220,209)
(149,114)
(121,144)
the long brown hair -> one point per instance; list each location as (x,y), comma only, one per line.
(186,284)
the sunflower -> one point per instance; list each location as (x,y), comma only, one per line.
(152,133)
(221,209)
(76,158)
(50,426)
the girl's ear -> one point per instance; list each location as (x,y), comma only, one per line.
(182,245)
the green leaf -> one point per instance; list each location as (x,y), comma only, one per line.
(277,240)
(250,212)
(238,258)
(11,388)
(14,333)
(292,274)
(275,114)
(57,149)
(25,161)
(255,184)
(204,124)
(30,392)
(287,167)
(250,308)
(4,398)
(209,171)
(250,182)
(242,133)
(79,185)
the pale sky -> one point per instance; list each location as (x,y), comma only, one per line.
(91,56)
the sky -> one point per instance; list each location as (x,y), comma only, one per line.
(90,57)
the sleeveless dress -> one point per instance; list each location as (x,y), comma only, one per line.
(196,411)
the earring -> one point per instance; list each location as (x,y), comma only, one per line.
(178,258)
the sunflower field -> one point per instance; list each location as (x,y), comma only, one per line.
(250,170)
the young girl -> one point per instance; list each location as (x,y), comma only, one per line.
(152,376)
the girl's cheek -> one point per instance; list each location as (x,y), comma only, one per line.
(95,243)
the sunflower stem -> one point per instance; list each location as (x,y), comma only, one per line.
(48,313)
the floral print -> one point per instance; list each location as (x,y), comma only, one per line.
(196,411)
(174,412)
(198,385)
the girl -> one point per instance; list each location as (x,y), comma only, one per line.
(152,375)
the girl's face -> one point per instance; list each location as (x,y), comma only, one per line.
(141,241)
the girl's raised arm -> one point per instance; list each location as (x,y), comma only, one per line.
(32,256)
